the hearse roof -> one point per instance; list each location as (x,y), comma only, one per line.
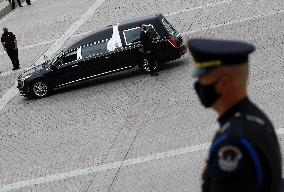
(101,34)
(144,19)
(106,33)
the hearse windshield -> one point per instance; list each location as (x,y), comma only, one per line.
(48,63)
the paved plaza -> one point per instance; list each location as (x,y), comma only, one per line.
(127,132)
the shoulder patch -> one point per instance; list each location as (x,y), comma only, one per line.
(228,158)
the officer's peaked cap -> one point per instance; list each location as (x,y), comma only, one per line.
(209,54)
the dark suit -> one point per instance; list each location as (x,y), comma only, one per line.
(149,50)
(245,154)
(8,39)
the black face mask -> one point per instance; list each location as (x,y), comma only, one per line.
(206,93)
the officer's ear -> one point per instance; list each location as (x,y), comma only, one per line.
(224,83)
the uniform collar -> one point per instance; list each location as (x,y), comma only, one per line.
(239,107)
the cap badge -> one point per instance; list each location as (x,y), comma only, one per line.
(205,64)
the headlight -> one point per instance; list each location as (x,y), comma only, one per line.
(25,77)
(20,83)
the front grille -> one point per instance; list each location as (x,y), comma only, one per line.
(20,84)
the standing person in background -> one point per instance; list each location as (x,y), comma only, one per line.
(9,43)
(245,155)
(19,3)
(148,49)
(14,4)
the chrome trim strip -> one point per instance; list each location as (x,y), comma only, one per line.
(89,77)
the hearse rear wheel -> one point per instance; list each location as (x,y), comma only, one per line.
(144,65)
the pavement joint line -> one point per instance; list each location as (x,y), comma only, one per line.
(32,45)
(235,22)
(183,33)
(110,166)
(11,13)
(104,167)
(6,98)
(3,19)
(198,7)
(85,33)
(12,91)
(10,94)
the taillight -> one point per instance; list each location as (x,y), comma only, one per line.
(173,42)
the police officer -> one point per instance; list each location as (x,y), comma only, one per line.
(245,153)
(149,51)
(9,42)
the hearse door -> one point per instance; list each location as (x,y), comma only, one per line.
(128,55)
(97,60)
(66,69)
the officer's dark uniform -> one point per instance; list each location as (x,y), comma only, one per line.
(245,153)
(8,39)
(149,50)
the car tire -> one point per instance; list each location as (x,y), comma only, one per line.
(144,65)
(40,88)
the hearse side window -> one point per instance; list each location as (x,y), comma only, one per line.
(94,49)
(69,57)
(133,35)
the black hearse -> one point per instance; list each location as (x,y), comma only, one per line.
(109,50)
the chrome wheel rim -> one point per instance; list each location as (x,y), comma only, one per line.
(40,89)
(146,65)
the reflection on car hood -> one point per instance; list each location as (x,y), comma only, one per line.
(31,71)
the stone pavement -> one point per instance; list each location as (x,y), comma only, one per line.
(6,7)
(129,117)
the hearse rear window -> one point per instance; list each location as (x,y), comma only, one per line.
(95,49)
(133,35)
(168,26)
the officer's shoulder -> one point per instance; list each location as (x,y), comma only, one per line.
(11,33)
(240,123)
(245,119)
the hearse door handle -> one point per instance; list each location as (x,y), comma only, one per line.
(74,65)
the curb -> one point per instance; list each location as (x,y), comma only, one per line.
(7,9)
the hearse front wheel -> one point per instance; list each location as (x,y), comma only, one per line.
(40,88)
